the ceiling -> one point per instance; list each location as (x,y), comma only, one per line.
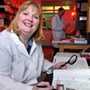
(16,3)
(57,2)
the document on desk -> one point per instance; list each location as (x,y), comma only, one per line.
(73,78)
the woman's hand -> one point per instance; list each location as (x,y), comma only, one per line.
(42,86)
(58,65)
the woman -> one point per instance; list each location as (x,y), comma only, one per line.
(19,68)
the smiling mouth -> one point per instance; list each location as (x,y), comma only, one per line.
(28,25)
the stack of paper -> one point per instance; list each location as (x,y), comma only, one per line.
(76,79)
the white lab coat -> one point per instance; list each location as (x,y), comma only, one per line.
(18,69)
(57,28)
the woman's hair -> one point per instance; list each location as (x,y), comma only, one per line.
(13,25)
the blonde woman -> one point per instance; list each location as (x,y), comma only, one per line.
(20,66)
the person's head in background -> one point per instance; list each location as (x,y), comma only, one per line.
(27,21)
(61,11)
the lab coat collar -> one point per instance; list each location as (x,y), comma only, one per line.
(21,47)
(33,47)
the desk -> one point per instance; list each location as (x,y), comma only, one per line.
(63,46)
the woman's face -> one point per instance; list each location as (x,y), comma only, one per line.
(28,21)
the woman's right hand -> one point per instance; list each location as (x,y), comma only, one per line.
(42,86)
(58,65)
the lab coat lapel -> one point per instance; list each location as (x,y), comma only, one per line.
(20,46)
(22,50)
(33,47)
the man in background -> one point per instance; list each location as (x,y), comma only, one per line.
(58,25)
